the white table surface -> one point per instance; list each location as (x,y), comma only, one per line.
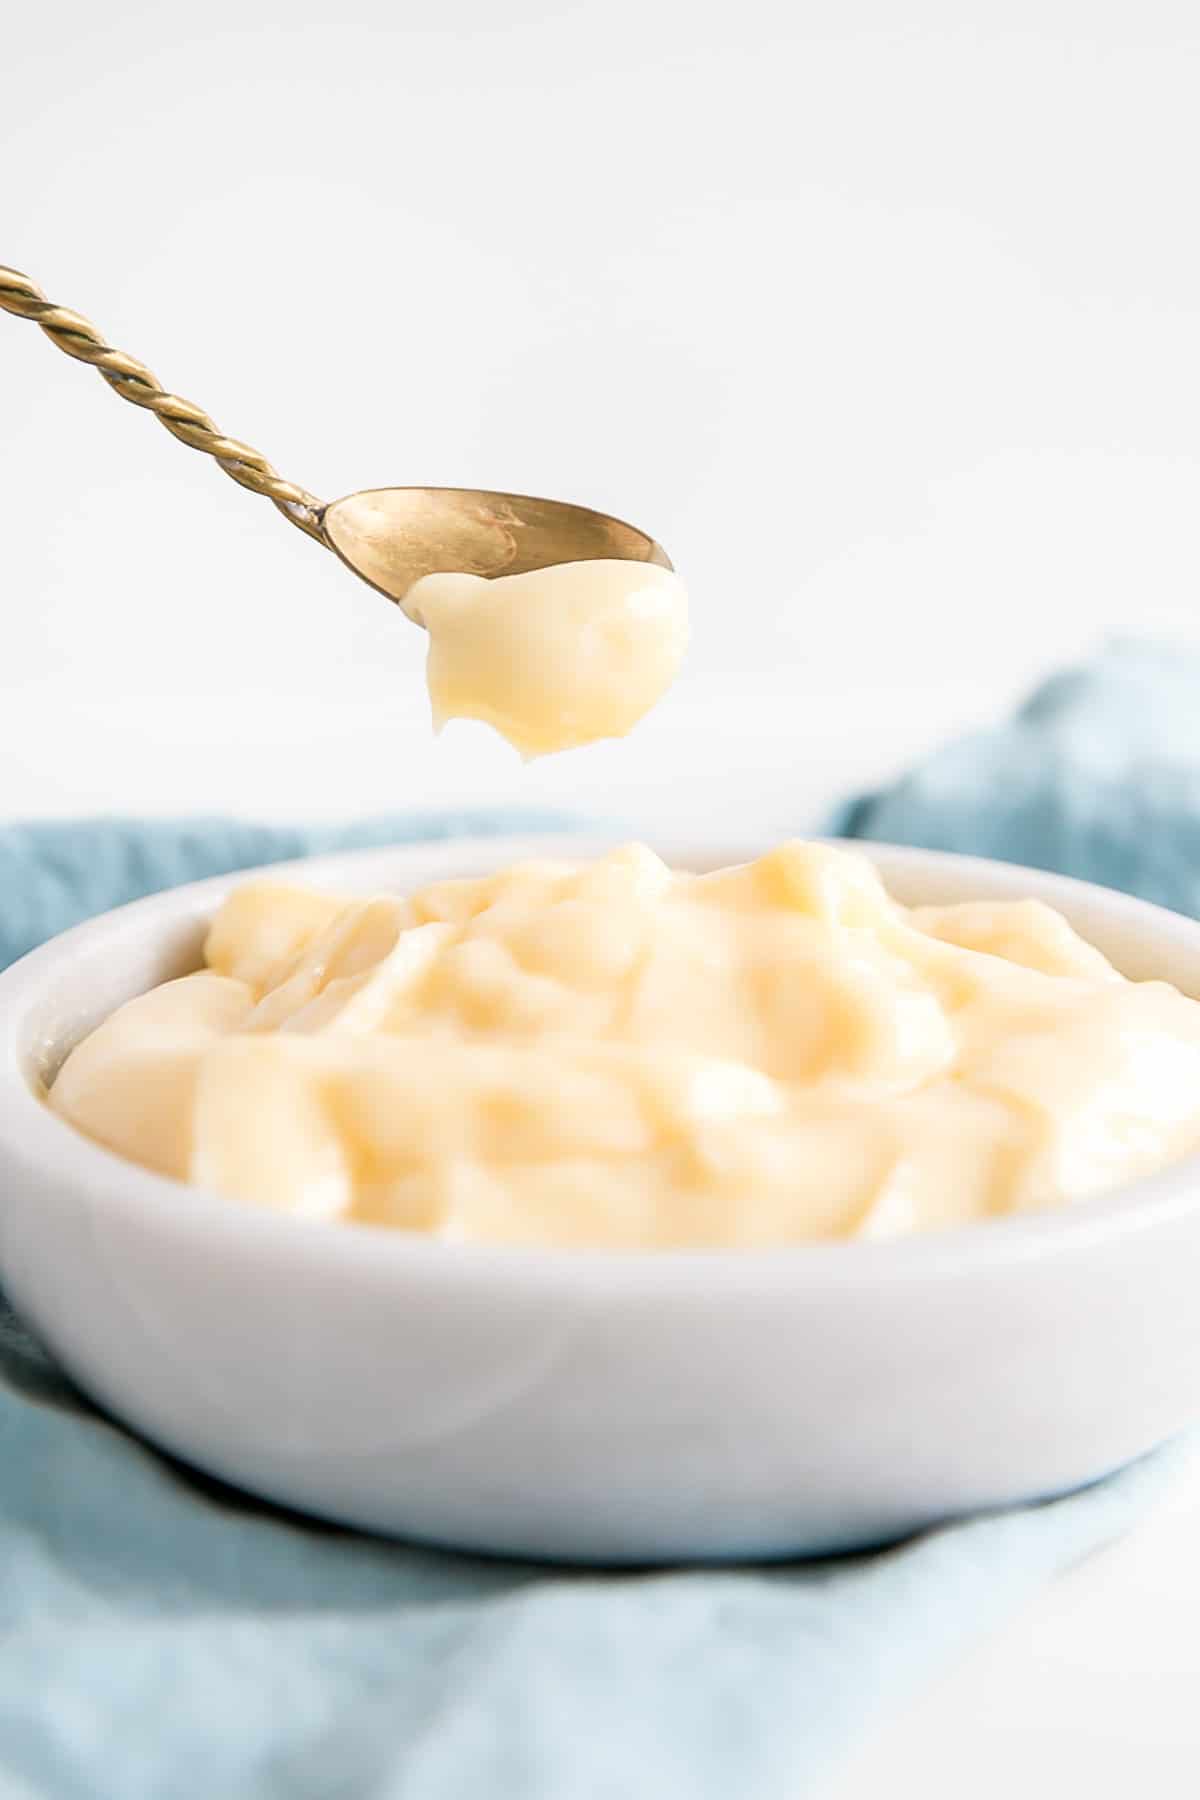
(1091,1688)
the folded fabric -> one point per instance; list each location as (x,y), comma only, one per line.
(161,1635)
(1097,775)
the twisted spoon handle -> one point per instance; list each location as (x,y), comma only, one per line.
(133,381)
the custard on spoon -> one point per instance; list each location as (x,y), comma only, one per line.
(607,620)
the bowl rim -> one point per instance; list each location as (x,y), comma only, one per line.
(36,1141)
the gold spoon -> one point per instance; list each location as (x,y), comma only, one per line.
(389,536)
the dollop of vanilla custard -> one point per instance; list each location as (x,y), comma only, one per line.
(613,1054)
(555,658)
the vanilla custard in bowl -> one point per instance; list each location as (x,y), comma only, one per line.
(614,1054)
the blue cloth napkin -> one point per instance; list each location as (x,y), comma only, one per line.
(163,1638)
(1098,775)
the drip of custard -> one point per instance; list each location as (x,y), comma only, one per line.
(613,1054)
(555,658)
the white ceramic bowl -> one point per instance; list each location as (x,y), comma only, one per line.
(594,1405)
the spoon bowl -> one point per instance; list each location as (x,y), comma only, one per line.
(391,537)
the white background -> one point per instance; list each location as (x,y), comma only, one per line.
(882,318)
